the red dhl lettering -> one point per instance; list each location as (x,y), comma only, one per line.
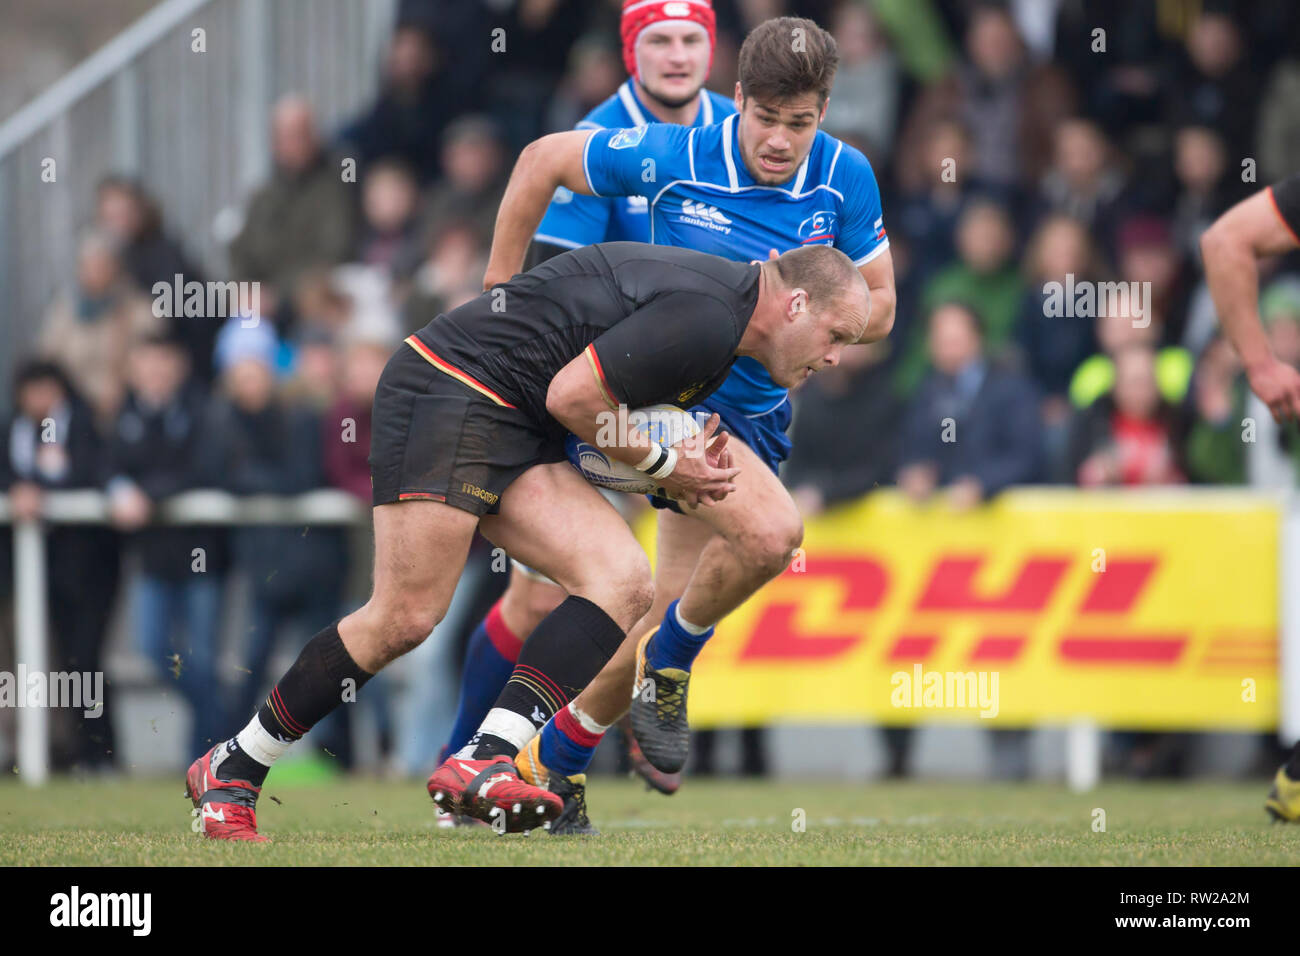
(777,633)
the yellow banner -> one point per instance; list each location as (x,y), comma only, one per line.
(1135,609)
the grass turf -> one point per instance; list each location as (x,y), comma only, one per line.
(368,822)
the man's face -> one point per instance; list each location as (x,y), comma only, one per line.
(293,137)
(1135,392)
(40,397)
(673,59)
(954,340)
(815,336)
(776,135)
(250,383)
(156,371)
(97,270)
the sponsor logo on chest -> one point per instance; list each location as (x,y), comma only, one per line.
(704,215)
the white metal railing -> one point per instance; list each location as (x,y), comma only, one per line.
(31,638)
(192,126)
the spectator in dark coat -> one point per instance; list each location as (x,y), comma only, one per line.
(176,599)
(1214,82)
(1085,180)
(934,197)
(414,105)
(51,443)
(973,428)
(473,156)
(260,444)
(1061,256)
(844,427)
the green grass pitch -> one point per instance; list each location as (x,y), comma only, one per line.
(368,822)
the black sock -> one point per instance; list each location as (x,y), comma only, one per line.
(323,676)
(558,660)
(1293,765)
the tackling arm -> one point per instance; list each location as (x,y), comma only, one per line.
(551,161)
(578,398)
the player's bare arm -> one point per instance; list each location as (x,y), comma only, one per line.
(879,273)
(546,163)
(1231,249)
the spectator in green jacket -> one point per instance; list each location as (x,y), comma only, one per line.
(984,276)
(303,218)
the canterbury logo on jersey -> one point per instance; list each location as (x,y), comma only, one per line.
(701,214)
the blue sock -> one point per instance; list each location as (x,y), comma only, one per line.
(673,647)
(566,746)
(489,662)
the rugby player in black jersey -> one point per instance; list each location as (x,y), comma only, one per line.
(470,418)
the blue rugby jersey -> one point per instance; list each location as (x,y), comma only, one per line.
(575,220)
(700,195)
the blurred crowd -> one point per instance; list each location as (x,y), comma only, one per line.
(1017,147)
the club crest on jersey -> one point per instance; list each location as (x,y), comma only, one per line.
(627,138)
(702,214)
(819,227)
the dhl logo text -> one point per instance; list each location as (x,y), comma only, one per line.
(981,614)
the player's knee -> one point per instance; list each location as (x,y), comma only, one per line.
(408,628)
(773,547)
(641,596)
(628,587)
(542,599)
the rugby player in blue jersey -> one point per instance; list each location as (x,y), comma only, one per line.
(765,179)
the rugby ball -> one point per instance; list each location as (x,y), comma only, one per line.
(666,424)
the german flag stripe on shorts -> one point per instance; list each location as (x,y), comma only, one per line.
(601,382)
(446,367)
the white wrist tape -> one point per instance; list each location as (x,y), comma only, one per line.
(650,459)
(666,469)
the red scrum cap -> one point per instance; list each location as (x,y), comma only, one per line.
(639,14)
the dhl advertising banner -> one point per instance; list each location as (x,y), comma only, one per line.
(1132,609)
